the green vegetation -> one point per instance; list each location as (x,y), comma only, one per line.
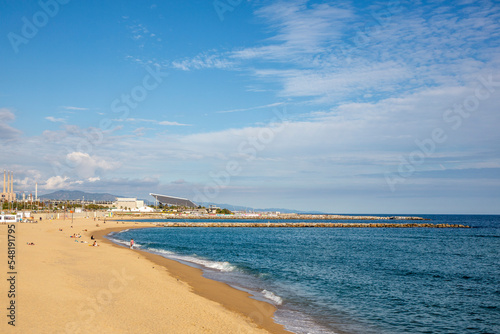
(224,211)
(34,206)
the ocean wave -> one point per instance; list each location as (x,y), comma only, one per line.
(271,296)
(161,251)
(221,266)
(217,265)
(123,242)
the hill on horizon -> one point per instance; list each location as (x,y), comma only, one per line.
(247,208)
(71,195)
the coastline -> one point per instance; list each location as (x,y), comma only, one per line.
(64,286)
(261,313)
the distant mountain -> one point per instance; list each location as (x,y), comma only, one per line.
(247,208)
(64,195)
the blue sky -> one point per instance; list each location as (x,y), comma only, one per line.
(350,107)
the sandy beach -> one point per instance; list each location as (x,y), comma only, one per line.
(64,285)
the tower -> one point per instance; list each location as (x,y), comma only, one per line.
(12,195)
(3,196)
(8,187)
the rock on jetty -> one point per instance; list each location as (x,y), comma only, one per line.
(309,224)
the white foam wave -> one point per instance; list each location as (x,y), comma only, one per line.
(221,266)
(123,242)
(161,251)
(271,296)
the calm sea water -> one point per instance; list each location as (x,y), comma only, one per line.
(359,280)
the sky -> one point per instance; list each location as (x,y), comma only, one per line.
(340,107)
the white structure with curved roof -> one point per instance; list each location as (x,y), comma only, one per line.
(172,200)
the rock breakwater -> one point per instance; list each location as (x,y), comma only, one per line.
(309,224)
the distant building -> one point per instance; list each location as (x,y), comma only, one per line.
(213,209)
(143,209)
(128,204)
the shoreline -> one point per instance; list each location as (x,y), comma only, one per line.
(63,286)
(261,313)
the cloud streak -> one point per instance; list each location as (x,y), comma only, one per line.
(74,108)
(203,61)
(154,121)
(55,120)
(271,105)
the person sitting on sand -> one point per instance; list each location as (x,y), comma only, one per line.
(95,244)
(92,237)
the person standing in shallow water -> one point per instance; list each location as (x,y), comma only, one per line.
(131,243)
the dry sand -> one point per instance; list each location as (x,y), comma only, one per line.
(63,286)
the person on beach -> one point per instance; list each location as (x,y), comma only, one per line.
(131,243)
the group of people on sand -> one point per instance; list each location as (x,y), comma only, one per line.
(78,235)
(30,244)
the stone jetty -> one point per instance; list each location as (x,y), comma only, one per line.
(310,224)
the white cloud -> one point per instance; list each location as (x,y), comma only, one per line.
(61,182)
(55,120)
(7,132)
(137,120)
(140,131)
(139,31)
(252,108)
(301,29)
(172,123)
(74,108)
(86,165)
(57,182)
(203,61)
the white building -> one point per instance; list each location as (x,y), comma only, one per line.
(143,209)
(128,204)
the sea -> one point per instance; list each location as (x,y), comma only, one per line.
(352,280)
